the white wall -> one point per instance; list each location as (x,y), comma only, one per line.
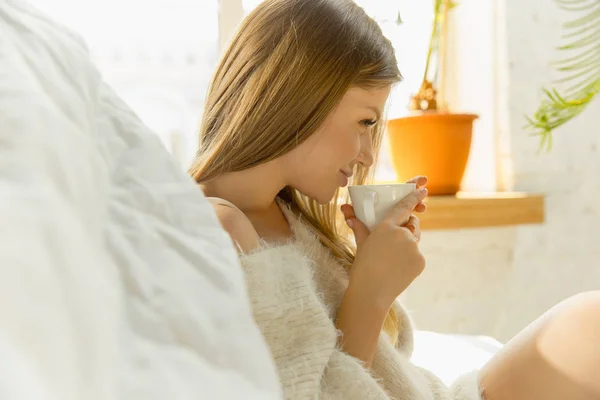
(495,281)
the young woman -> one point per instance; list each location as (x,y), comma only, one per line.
(294,113)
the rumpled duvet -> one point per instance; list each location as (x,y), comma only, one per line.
(116,280)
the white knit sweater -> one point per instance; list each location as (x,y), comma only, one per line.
(296,289)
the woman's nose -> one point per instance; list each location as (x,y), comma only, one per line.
(365,157)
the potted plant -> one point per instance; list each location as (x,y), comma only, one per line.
(432,140)
(581,69)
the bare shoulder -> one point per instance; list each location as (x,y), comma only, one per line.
(237,224)
(231,218)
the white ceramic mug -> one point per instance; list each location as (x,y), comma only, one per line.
(373,202)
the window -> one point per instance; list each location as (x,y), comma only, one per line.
(158,55)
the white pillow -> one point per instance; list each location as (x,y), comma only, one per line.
(116,278)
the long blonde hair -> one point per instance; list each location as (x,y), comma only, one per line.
(286,69)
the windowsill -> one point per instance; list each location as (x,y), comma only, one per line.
(479,210)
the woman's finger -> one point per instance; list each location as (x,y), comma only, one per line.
(414,225)
(361,232)
(348,211)
(420,181)
(404,209)
(421,208)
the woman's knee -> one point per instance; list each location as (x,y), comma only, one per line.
(578,317)
(569,339)
(588,299)
(581,310)
(557,357)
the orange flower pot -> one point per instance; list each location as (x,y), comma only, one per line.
(433,144)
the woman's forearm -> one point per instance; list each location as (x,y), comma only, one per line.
(360,319)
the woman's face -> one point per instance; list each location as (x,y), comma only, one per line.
(325,161)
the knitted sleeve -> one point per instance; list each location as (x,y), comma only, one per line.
(298,330)
(303,340)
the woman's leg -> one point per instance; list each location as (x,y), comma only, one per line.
(555,358)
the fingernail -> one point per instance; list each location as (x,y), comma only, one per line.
(350,223)
(424,191)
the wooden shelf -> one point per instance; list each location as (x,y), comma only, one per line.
(478,210)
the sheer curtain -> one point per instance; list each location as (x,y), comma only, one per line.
(158,55)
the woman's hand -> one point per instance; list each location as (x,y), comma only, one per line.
(421,182)
(239,227)
(388,260)
(389,256)
(361,231)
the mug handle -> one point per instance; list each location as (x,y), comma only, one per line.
(369,201)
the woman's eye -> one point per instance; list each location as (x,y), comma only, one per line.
(368,122)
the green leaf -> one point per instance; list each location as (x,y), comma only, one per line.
(399,20)
(580,69)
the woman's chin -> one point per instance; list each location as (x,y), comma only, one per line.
(326,198)
(322,197)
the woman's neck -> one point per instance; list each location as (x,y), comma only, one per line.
(254,192)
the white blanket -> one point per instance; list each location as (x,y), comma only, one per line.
(116,280)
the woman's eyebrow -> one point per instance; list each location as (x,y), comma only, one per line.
(376,111)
